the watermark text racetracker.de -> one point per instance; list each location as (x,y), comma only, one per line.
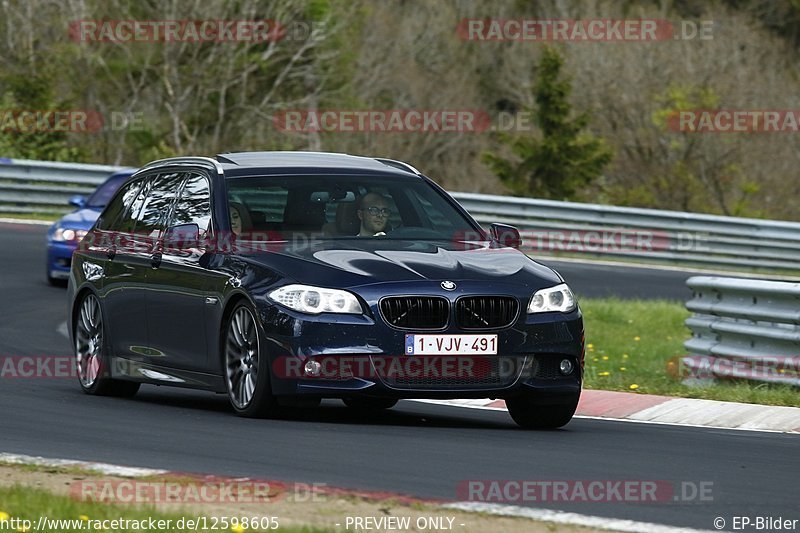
(190,31)
(38,121)
(583,30)
(735,121)
(763,367)
(585,491)
(601,240)
(382,121)
(201,491)
(38,367)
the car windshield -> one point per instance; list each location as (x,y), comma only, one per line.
(268,207)
(101,196)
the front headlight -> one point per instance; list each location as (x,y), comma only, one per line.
(69,235)
(558,298)
(316,300)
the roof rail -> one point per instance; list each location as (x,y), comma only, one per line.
(187,160)
(398,164)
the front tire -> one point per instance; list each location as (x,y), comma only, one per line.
(529,414)
(92,355)
(246,373)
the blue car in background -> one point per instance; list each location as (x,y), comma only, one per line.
(63,236)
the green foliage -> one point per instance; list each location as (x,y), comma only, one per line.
(31,93)
(694,171)
(564,158)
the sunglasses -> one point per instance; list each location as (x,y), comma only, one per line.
(375,211)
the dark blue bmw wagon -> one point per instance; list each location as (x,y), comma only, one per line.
(282,278)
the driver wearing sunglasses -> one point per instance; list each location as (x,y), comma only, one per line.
(373,212)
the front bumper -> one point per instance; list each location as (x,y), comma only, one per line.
(359,355)
(59,259)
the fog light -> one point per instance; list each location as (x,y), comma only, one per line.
(312,368)
(565,367)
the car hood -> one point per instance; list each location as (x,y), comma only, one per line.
(80,219)
(354,263)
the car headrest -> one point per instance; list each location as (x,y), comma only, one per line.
(347,222)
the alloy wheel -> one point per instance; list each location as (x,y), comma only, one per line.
(241,357)
(89,341)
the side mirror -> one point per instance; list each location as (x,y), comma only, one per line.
(506,235)
(182,237)
(78,201)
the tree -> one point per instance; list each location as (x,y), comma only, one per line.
(562,158)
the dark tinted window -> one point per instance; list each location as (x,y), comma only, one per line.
(163,192)
(105,191)
(121,204)
(127,222)
(194,206)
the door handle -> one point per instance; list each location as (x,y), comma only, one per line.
(155,260)
(111,252)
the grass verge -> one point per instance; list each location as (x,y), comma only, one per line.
(22,507)
(57,493)
(630,344)
(47,217)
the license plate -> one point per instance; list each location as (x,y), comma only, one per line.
(451,344)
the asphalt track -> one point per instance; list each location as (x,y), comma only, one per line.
(416,449)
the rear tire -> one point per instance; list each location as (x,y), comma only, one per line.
(92,354)
(369,404)
(246,376)
(529,414)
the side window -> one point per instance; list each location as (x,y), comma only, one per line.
(119,205)
(265,205)
(156,209)
(127,222)
(194,206)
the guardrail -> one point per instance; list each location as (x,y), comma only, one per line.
(548,227)
(556,228)
(743,329)
(28,186)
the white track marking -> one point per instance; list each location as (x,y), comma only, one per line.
(103,468)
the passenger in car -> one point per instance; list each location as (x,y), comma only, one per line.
(240,218)
(373,212)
